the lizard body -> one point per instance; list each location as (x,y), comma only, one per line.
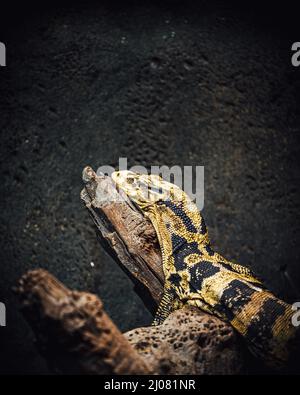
(198,276)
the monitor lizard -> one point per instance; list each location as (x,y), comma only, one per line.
(196,275)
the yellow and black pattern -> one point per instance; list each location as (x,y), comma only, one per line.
(198,276)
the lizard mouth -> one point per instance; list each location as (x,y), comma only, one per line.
(141,208)
(136,206)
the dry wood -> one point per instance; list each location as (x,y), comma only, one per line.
(73,331)
(127,235)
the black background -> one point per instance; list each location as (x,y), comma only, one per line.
(176,83)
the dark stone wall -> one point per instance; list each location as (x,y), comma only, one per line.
(175,84)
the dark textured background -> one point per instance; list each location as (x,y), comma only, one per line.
(174,84)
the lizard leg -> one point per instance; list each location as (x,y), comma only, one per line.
(247,273)
(165,306)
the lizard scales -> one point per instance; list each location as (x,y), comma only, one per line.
(198,276)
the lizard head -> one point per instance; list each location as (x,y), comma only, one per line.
(147,190)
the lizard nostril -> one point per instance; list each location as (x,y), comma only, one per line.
(130,180)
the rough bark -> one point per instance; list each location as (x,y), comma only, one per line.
(73,330)
(126,235)
(189,342)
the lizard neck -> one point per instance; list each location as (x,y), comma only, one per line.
(181,232)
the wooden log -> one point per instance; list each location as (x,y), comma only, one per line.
(73,331)
(126,234)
